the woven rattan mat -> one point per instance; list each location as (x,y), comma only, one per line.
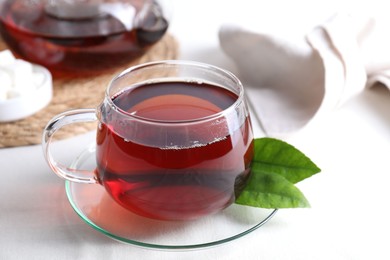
(74,93)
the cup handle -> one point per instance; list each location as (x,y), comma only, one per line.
(66,118)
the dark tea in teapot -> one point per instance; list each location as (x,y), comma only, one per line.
(81,37)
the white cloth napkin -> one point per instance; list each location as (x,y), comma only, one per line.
(295,80)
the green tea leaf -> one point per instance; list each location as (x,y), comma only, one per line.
(269,190)
(275,168)
(276,156)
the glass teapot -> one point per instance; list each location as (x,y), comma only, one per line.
(82,36)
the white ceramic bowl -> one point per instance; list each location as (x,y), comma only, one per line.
(26,105)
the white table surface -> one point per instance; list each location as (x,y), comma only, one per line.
(349,217)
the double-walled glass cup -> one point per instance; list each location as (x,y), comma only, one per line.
(174,140)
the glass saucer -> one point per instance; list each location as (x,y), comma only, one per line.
(97,209)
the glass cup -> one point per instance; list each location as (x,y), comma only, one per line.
(174,140)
